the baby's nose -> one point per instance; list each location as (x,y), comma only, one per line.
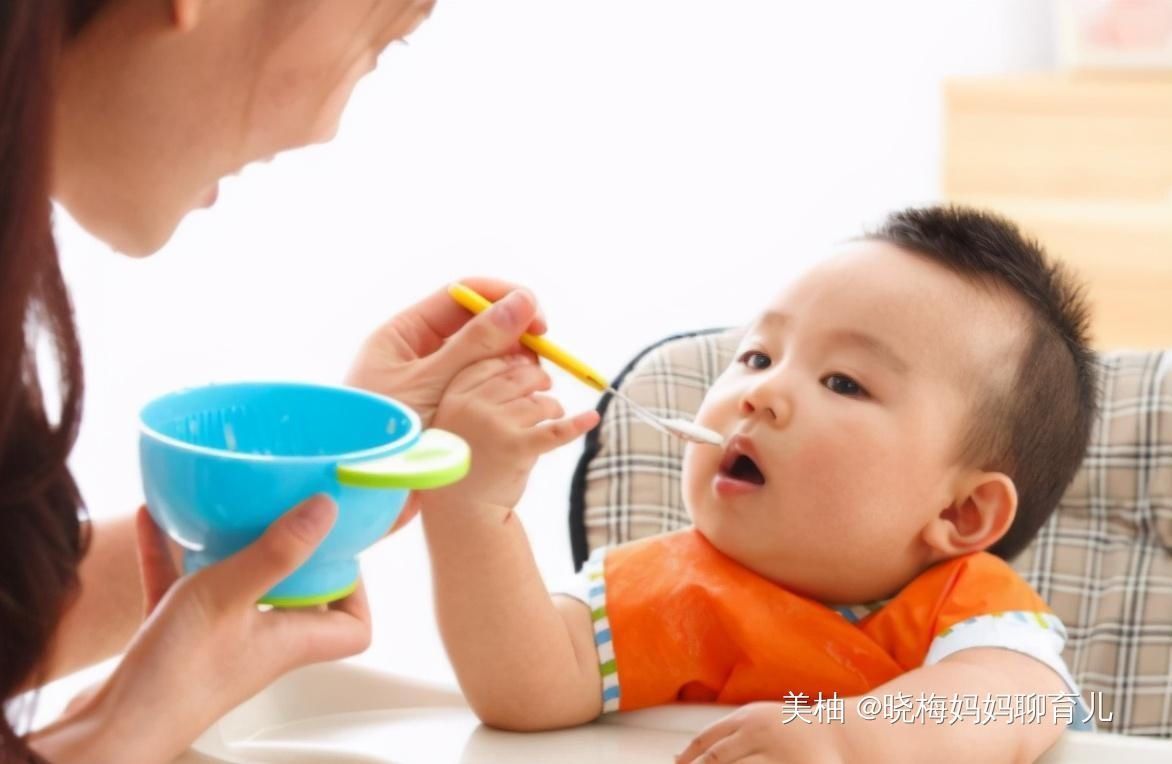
(771,405)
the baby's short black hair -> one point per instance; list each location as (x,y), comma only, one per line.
(1036,429)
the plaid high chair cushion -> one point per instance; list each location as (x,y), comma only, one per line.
(1103,561)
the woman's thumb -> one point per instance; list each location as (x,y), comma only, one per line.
(284,545)
(493,333)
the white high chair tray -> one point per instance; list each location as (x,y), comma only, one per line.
(345,713)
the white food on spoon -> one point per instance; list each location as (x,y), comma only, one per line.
(691,431)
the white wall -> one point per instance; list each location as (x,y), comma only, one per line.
(647,166)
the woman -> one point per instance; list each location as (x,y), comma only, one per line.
(128,112)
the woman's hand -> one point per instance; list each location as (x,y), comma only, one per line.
(206,646)
(414,356)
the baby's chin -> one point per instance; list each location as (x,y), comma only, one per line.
(834,591)
(815,582)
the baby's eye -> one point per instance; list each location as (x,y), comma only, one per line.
(844,385)
(755,359)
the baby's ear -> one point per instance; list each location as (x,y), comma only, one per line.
(981,513)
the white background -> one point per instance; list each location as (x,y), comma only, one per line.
(646,166)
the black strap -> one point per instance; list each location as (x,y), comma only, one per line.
(578,545)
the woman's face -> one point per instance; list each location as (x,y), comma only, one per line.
(158,101)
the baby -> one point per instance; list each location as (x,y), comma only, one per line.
(898,422)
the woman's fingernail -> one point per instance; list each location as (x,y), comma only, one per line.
(517,306)
(315,516)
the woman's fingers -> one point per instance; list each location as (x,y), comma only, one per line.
(444,316)
(492,333)
(356,605)
(154,560)
(312,636)
(288,542)
(416,354)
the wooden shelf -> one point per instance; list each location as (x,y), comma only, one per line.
(1085,165)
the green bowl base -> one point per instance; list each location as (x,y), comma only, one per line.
(311,600)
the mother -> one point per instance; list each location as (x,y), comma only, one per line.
(128,112)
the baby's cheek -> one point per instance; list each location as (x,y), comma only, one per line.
(841,484)
(825,466)
(713,411)
(692,480)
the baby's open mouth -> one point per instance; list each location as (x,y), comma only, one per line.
(740,466)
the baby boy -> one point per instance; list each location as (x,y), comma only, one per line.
(898,423)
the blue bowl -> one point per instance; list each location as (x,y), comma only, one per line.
(221,463)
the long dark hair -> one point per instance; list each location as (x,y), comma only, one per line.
(42,527)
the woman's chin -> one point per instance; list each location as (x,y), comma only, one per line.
(150,233)
(141,237)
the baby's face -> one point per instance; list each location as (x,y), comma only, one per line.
(843,412)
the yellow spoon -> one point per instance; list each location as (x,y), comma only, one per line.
(680,428)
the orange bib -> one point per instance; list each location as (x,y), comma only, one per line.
(689,623)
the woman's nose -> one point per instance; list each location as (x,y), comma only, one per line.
(768,399)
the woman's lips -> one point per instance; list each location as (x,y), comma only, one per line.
(210,196)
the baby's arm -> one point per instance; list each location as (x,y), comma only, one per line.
(759,729)
(524,660)
(986,672)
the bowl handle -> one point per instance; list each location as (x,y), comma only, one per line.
(437,459)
